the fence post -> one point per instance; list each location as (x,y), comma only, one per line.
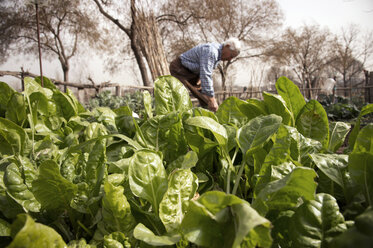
(117,90)
(370,90)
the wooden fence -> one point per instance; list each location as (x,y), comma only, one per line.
(85,91)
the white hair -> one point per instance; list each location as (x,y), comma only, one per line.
(234,44)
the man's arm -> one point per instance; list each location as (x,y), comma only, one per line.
(207,61)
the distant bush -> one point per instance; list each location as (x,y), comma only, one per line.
(340,108)
(133,100)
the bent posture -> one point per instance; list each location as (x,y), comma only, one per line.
(194,68)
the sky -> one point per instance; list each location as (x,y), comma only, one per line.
(330,13)
(333,14)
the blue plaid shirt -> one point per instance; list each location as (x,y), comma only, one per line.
(202,60)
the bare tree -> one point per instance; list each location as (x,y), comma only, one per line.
(352,50)
(306,51)
(142,30)
(194,22)
(64,25)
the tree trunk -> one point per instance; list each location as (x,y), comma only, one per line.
(138,56)
(148,39)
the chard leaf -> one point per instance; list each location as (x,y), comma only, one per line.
(220,220)
(276,105)
(361,171)
(278,155)
(208,123)
(13,138)
(116,212)
(4,228)
(237,112)
(148,177)
(364,141)
(313,122)
(257,131)
(291,95)
(27,233)
(164,133)
(355,131)
(14,180)
(332,165)
(5,94)
(360,235)
(81,243)
(170,95)
(316,222)
(32,86)
(338,133)
(283,194)
(187,161)
(16,109)
(182,186)
(148,104)
(53,191)
(65,105)
(116,240)
(96,167)
(143,233)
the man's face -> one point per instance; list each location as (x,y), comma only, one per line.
(227,54)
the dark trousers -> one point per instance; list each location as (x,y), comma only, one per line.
(189,79)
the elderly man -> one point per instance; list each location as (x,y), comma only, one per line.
(194,68)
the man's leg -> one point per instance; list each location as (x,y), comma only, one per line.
(189,79)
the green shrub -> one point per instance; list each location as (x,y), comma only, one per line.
(134,100)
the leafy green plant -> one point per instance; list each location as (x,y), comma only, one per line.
(133,100)
(258,173)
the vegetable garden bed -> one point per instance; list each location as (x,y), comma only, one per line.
(257,173)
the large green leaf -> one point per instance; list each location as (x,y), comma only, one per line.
(217,129)
(148,104)
(65,105)
(27,233)
(364,141)
(15,182)
(32,86)
(291,95)
(4,228)
(14,139)
(360,235)
(284,193)
(276,105)
(360,166)
(185,161)
(313,122)
(182,186)
(220,220)
(53,191)
(143,233)
(237,112)
(301,146)
(257,131)
(116,212)
(355,131)
(333,166)
(5,94)
(170,95)
(338,132)
(16,109)
(164,133)
(96,167)
(148,177)
(277,156)
(316,222)
(116,240)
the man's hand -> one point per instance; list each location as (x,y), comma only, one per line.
(212,104)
